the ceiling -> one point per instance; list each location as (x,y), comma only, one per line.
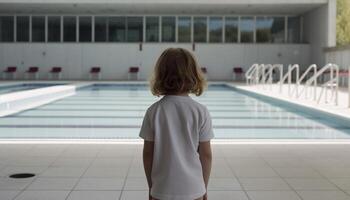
(157,8)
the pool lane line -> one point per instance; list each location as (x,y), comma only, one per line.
(142,110)
(141,117)
(139,126)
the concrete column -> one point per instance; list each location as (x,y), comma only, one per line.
(332,23)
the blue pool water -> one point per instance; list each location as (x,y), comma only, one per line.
(22,87)
(116,112)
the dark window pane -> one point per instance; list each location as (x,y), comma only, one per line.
(215,29)
(168,29)
(231,29)
(294,30)
(23,29)
(54,29)
(135,29)
(247,29)
(70,29)
(200,29)
(85,29)
(152,29)
(270,29)
(117,29)
(184,29)
(101,29)
(6,29)
(38,29)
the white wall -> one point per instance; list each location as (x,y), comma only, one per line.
(319,31)
(115,59)
(340,56)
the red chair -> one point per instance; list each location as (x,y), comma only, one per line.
(95,72)
(133,73)
(33,71)
(11,70)
(237,73)
(56,71)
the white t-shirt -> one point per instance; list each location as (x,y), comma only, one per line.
(177,124)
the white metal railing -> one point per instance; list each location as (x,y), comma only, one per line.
(332,83)
(263,74)
(252,74)
(288,76)
(305,90)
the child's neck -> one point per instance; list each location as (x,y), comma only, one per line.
(180,94)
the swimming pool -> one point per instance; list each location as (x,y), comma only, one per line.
(110,111)
(22,87)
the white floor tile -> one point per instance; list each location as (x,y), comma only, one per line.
(133,195)
(323,195)
(100,184)
(273,195)
(310,184)
(254,172)
(14,184)
(105,172)
(343,183)
(94,195)
(8,195)
(227,195)
(297,172)
(224,184)
(43,195)
(53,184)
(64,172)
(136,184)
(264,184)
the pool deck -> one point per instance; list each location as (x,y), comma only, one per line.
(342,109)
(114,172)
(253,170)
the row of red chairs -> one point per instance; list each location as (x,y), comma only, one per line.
(96,70)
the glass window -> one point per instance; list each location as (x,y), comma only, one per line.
(200,29)
(23,29)
(215,29)
(38,29)
(168,29)
(247,28)
(184,29)
(6,29)
(231,29)
(294,30)
(117,29)
(135,29)
(270,29)
(54,29)
(152,29)
(70,29)
(101,29)
(85,29)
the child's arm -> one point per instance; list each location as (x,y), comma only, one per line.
(148,148)
(205,156)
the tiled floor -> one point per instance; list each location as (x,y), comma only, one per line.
(114,172)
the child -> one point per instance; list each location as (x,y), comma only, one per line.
(177,131)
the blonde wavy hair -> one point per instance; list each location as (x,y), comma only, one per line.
(177,72)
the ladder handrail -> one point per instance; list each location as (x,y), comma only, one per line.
(288,75)
(333,83)
(249,73)
(308,82)
(311,67)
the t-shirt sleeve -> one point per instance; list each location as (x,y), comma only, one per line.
(146,131)
(206,132)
